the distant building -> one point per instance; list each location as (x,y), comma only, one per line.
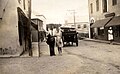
(15,26)
(36,28)
(82,27)
(103,15)
(51,26)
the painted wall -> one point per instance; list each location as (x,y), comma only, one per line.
(9,37)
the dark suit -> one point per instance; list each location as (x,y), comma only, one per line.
(51,43)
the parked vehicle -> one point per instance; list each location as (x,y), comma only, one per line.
(69,35)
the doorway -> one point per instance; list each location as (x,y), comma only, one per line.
(22,29)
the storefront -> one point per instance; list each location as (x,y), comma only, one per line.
(99,29)
(115,24)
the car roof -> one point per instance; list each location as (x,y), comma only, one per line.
(67,28)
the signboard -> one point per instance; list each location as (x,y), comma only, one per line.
(110,14)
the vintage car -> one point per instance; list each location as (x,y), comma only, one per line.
(69,36)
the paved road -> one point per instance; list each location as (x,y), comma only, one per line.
(87,58)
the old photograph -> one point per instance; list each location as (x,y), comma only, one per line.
(59,36)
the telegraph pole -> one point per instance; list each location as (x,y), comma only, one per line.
(73,11)
(74,17)
(29,25)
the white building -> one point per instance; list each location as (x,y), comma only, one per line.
(14,26)
(103,15)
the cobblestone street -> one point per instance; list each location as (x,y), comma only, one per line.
(88,58)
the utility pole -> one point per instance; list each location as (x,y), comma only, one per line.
(29,25)
(74,17)
(39,40)
(73,11)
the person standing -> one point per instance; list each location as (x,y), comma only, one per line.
(51,42)
(54,31)
(59,42)
(110,35)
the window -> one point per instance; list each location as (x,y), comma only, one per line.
(84,26)
(101,31)
(104,6)
(79,26)
(91,7)
(97,5)
(114,2)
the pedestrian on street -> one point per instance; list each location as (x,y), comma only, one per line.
(59,42)
(110,35)
(51,42)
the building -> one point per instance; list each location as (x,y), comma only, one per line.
(37,33)
(104,14)
(82,29)
(15,26)
(37,29)
(51,26)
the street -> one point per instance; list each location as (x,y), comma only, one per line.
(29,29)
(88,58)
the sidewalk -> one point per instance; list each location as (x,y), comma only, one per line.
(9,56)
(17,54)
(101,41)
(34,51)
(44,50)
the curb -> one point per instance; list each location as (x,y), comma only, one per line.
(9,56)
(102,41)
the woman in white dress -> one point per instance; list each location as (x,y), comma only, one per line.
(59,42)
(110,35)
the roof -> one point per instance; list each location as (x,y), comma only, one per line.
(115,21)
(101,23)
(36,19)
(34,25)
(67,27)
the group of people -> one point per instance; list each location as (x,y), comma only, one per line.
(54,38)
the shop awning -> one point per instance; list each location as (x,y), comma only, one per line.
(115,21)
(101,23)
(34,25)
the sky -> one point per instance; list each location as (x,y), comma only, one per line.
(57,11)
